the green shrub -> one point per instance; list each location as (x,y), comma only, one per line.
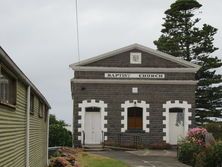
(191,145)
(194,150)
(205,158)
(188,151)
(56,154)
(215,128)
(210,156)
(218,152)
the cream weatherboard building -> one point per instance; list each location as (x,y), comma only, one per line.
(23,118)
(133,96)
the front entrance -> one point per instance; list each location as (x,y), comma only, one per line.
(176,125)
(93,132)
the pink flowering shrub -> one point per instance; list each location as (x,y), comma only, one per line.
(197,136)
(195,151)
(59,162)
(192,145)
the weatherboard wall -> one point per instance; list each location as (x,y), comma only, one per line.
(38,138)
(13,122)
(116,94)
(13,131)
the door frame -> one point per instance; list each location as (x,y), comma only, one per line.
(174,131)
(175,104)
(90,124)
(91,103)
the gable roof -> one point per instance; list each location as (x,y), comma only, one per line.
(139,47)
(6,59)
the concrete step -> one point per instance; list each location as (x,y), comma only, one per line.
(174,147)
(93,150)
(119,148)
(93,147)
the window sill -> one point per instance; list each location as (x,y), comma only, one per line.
(135,131)
(8,105)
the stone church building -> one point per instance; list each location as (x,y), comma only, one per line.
(132,96)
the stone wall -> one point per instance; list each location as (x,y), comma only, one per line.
(116,94)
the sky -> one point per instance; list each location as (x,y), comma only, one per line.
(40,36)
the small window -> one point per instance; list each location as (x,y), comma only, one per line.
(46,115)
(179,115)
(176,110)
(32,103)
(135,58)
(135,118)
(41,109)
(135,90)
(92,109)
(7,88)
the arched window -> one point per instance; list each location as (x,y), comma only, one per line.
(135,118)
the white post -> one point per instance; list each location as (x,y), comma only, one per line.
(47,155)
(27,126)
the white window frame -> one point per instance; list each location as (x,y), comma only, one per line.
(135,90)
(132,57)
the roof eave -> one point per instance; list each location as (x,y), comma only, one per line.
(24,78)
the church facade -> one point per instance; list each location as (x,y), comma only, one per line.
(132,96)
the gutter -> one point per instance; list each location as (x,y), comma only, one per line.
(27,125)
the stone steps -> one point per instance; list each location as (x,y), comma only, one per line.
(93,147)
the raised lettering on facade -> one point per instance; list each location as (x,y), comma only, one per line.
(135,75)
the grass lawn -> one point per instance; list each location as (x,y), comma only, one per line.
(92,160)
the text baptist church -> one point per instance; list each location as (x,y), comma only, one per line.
(132,95)
(133,75)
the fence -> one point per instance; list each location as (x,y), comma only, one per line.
(130,140)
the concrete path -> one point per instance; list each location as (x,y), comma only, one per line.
(135,159)
(161,153)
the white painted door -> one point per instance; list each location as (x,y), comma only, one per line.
(93,134)
(176,130)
